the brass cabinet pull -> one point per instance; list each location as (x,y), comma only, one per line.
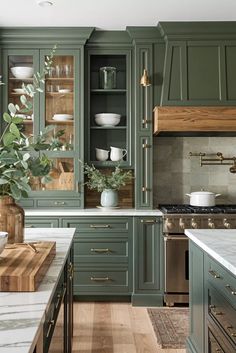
(148,221)
(214,274)
(58,300)
(144,189)
(219,350)
(52,323)
(59,203)
(100,279)
(230,289)
(145,145)
(99,250)
(70,269)
(29,226)
(95,226)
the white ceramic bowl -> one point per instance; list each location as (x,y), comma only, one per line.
(107,119)
(62,117)
(3,240)
(22,72)
(19,90)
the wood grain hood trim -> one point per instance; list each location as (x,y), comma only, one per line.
(198,119)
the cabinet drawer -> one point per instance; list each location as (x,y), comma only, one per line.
(86,250)
(41,223)
(101,280)
(222,313)
(100,224)
(59,203)
(221,279)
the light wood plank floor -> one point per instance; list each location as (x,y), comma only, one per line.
(114,328)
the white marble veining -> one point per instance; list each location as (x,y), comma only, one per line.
(22,314)
(218,243)
(91,212)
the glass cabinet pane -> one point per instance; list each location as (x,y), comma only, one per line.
(20,71)
(62,175)
(59,102)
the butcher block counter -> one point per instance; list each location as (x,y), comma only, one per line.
(23,314)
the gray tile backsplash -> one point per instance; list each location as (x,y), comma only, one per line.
(176,174)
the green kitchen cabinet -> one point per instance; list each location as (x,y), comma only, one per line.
(61,105)
(199,64)
(196,339)
(148,262)
(102,256)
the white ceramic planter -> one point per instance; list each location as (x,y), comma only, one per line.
(109,198)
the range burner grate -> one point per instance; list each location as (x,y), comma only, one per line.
(186,209)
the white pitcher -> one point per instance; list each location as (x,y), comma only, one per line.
(101,155)
(117,154)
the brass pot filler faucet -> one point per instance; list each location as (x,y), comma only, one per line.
(205,159)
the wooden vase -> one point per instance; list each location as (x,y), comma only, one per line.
(12,219)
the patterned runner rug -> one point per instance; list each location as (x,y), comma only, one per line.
(170,325)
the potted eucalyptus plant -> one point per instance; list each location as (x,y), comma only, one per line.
(107,184)
(20,160)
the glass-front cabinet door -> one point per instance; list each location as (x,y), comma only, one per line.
(59,109)
(19,68)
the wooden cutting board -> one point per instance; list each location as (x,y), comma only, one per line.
(21,269)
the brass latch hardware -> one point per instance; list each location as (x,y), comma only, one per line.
(146,121)
(144,189)
(230,289)
(99,250)
(148,221)
(214,274)
(145,145)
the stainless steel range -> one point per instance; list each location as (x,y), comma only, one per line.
(177,218)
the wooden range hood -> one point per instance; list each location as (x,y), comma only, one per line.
(194,119)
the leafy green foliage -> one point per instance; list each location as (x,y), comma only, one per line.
(99,181)
(21,157)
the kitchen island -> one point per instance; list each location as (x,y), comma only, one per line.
(212,279)
(23,314)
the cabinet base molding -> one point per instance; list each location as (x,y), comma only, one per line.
(103,298)
(147,299)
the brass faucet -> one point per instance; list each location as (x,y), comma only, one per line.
(219,159)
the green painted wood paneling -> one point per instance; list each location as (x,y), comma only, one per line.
(203,72)
(196,339)
(41,222)
(148,258)
(230,71)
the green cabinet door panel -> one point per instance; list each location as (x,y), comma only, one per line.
(230,71)
(148,261)
(195,341)
(203,72)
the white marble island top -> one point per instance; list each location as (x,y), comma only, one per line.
(220,244)
(57,212)
(22,314)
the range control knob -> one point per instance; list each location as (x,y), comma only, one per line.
(181,223)
(211,224)
(194,223)
(168,224)
(226,224)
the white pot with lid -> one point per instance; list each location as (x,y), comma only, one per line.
(203,198)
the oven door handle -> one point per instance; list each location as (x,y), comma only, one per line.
(169,237)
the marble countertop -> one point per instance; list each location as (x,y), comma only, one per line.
(22,314)
(220,244)
(91,212)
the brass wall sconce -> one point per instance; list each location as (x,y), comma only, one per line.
(205,159)
(145,80)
